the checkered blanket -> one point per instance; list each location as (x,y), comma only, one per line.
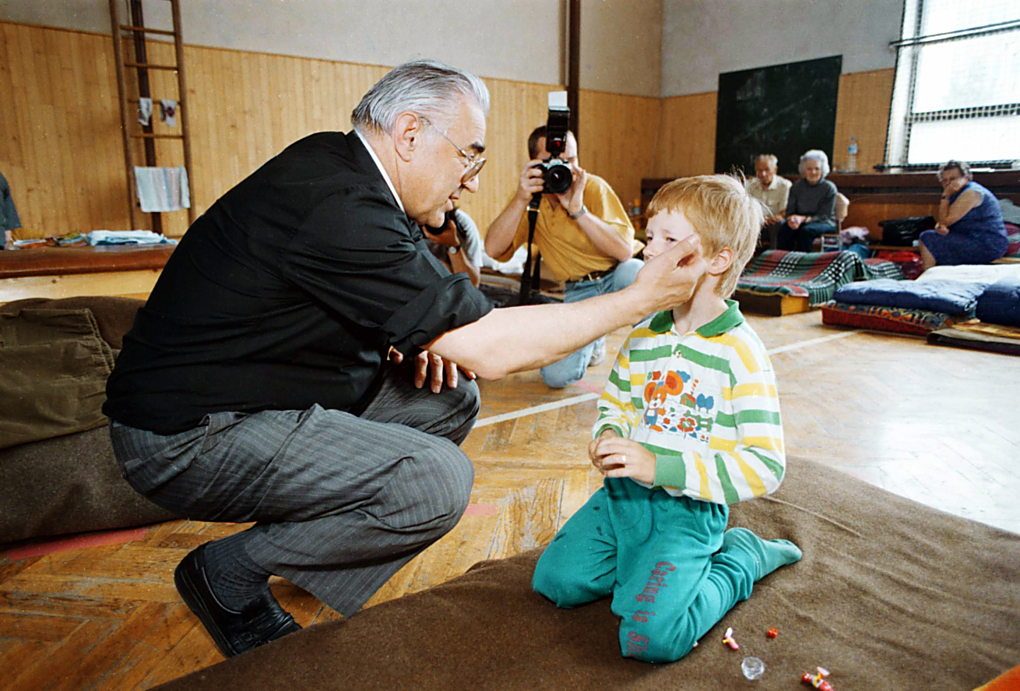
(814,275)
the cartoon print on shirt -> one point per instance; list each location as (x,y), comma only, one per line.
(704,417)
(659,387)
(673,406)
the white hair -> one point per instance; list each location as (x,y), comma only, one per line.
(768,158)
(814,155)
(421,86)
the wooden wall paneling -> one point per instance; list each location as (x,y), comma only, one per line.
(63,113)
(862,111)
(203,99)
(13,155)
(61,130)
(868,212)
(619,139)
(25,92)
(105,147)
(686,136)
(76,65)
(516,109)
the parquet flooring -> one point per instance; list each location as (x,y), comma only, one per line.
(934,424)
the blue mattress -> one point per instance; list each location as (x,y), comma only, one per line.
(949,297)
(1000,303)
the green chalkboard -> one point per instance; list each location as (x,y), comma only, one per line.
(780,109)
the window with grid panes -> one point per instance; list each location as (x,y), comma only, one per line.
(957,87)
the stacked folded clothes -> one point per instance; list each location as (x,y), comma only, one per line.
(96,237)
(128,237)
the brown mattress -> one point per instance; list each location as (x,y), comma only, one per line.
(889,595)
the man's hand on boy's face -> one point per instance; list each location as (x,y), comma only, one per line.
(619,457)
(671,278)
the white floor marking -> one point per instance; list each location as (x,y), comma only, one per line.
(533,410)
(813,341)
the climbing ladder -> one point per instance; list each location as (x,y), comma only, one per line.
(137,31)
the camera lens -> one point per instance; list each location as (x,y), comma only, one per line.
(557,175)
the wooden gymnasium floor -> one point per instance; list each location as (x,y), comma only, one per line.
(934,424)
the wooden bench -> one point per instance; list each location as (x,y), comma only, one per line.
(59,272)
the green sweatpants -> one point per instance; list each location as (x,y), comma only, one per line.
(659,556)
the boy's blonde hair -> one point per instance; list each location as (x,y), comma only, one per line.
(723,215)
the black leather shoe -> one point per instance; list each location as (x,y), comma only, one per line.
(261,621)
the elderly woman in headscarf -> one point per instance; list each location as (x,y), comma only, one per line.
(969,228)
(810,209)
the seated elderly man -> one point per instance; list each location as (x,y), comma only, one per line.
(810,210)
(773,192)
(970,229)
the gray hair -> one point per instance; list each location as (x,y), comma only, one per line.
(769,158)
(421,86)
(814,155)
(958,165)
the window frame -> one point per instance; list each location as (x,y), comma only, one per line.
(902,117)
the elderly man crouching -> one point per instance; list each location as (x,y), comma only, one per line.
(260,380)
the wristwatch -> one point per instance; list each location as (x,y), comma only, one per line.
(453,250)
(582,212)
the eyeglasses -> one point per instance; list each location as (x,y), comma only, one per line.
(474,161)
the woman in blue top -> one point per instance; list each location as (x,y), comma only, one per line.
(970,228)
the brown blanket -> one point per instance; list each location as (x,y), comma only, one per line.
(889,595)
(55,478)
(53,371)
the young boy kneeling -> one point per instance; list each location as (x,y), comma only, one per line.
(688,423)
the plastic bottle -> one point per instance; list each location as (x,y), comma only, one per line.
(851,156)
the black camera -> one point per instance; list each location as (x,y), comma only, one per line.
(557,174)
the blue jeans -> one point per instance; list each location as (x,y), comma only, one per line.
(803,238)
(571,368)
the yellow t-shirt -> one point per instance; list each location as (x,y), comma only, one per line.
(565,248)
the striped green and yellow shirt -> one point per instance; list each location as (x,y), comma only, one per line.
(705,403)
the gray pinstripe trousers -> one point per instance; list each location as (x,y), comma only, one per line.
(341,502)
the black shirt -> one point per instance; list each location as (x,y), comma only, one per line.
(286,293)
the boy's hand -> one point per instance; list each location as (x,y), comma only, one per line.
(596,459)
(619,457)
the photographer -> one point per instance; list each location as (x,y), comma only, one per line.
(457,244)
(583,234)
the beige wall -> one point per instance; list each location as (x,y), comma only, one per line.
(702,38)
(520,40)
